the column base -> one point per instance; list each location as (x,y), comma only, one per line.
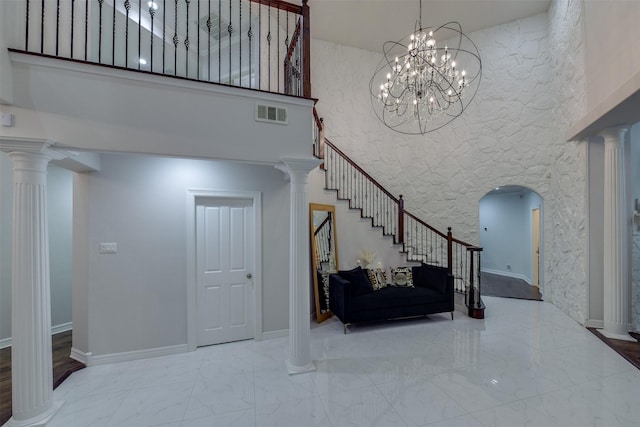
(294,370)
(614,336)
(38,421)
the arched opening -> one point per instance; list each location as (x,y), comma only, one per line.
(512,240)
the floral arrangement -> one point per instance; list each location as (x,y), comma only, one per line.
(368,256)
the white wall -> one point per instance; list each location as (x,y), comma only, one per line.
(611,38)
(59,210)
(145,113)
(59,213)
(505,233)
(137,297)
(6,219)
(596,232)
(532,91)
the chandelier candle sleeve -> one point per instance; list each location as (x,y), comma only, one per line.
(427,79)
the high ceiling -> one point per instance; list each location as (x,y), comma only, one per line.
(367,24)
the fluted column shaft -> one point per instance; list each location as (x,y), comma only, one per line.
(299,308)
(616,227)
(31,366)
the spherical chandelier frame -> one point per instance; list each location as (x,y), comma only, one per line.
(426,80)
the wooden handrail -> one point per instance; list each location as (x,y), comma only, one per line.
(318,119)
(419,221)
(282,5)
(294,42)
(391,196)
(359,169)
(321,226)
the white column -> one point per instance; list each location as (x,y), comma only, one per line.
(299,307)
(616,227)
(31,366)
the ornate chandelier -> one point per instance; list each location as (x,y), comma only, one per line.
(427,79)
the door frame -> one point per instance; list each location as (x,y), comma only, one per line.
(192,199)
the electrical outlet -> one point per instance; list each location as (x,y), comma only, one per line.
(108,248)
(508,266)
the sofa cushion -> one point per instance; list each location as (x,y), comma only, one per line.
(402,276)
(393,297)
(359,281)
(377,278)
(430,276)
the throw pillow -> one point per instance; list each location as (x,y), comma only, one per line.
(430,276)
(359,281)
(402,276)
(378,278)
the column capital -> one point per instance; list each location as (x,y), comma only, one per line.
(293,167)
(614,133)
(30,146)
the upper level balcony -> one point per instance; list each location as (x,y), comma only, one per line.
(207,73)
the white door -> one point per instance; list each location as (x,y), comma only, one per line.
(224,265)
(535,238)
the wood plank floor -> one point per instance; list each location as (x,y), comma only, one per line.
(627,349)
(63,366)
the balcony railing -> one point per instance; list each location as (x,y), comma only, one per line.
(255,44)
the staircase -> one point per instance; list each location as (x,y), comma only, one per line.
(420,241)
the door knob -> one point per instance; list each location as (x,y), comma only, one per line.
(249,276)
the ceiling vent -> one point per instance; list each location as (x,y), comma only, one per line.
(219,27)
(270,113)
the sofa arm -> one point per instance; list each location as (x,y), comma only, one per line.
(340,297)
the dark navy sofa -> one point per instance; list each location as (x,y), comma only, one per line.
(353,300)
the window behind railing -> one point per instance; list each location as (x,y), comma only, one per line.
(254,44)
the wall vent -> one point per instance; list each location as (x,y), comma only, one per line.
(270,113)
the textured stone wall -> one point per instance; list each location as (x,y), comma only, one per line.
(513,133)
(567,193)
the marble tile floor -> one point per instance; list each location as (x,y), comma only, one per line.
(527,363)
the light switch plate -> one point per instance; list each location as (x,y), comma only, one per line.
(6,119)
(108,248)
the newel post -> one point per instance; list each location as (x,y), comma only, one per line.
(471,291)
(306,49)
(401,220)
(449,250)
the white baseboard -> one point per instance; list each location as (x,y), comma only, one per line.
(5,342)
(82,357)
(128,356)
(63,327)
(282,333)
(508,274)
(598,324)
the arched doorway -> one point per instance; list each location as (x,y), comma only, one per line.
(512,241)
